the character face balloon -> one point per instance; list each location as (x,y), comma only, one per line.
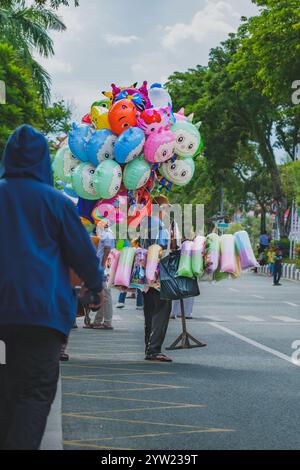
(187,138)
(160,146)
(99,115)
(100,147)
(122,115)
(83,181)
(79,135)
(129,145)
(64,164)
(136,174)
(159,96)
(108,178)
(179,172)
(151,120)
(139,96)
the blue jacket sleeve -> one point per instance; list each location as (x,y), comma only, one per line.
(78,250)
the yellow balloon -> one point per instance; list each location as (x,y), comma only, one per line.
(99,117)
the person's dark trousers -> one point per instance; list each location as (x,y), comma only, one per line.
(277,273)
(28,383)
(157,314)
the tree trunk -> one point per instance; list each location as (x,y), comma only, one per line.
(268,156)
(263,225)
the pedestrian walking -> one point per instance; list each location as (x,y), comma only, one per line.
(270,256)
(277,258)
(139,299)
(103,318)
(41,238)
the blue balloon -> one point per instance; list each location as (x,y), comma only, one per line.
(78,138)
(100,147)
(129,145)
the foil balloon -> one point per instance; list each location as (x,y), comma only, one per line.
(108,178)
(83,181)
(122,115)
(160,146)
(180,116)
(178,172)
(105,103)
(159,96)
(136,174)
(129,145)
(139,96)
(87,120)
(99,114)
(187,138)
(78,138)
(152,120)
(114,210)
(100,147)
(115,90)
(64,164)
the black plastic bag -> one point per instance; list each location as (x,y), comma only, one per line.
(173,287)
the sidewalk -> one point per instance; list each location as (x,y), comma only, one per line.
(53,435)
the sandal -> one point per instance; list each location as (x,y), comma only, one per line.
(158,357)
(103,326)
(64,357)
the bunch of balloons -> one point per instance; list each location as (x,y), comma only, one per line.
(129,142)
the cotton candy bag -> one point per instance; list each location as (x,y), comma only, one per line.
(111,267)
(124,269)
(245,250)
(198,256)
(228,257)
(185,263)
(212,247)
(152,266)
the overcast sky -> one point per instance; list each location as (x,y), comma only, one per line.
(123,41)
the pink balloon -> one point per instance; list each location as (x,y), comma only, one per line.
(160,146)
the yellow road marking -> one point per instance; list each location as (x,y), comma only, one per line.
(110,397)
(132,421)
(141,389)
(118,381)
(142,436)
(120,374)
(147,409)
(107,368)
(135,421)
(93,446)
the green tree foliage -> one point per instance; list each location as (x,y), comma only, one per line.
(57,3)
(27,29)
(23,104)
(57,118)
(243,123)
(274,37)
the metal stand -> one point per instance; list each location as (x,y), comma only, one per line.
(185,338)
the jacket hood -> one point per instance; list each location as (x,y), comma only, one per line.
(26,155)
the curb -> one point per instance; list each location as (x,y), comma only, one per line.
(289,271)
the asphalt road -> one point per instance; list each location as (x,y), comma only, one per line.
(240,392)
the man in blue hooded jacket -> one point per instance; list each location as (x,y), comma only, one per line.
(41,238)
